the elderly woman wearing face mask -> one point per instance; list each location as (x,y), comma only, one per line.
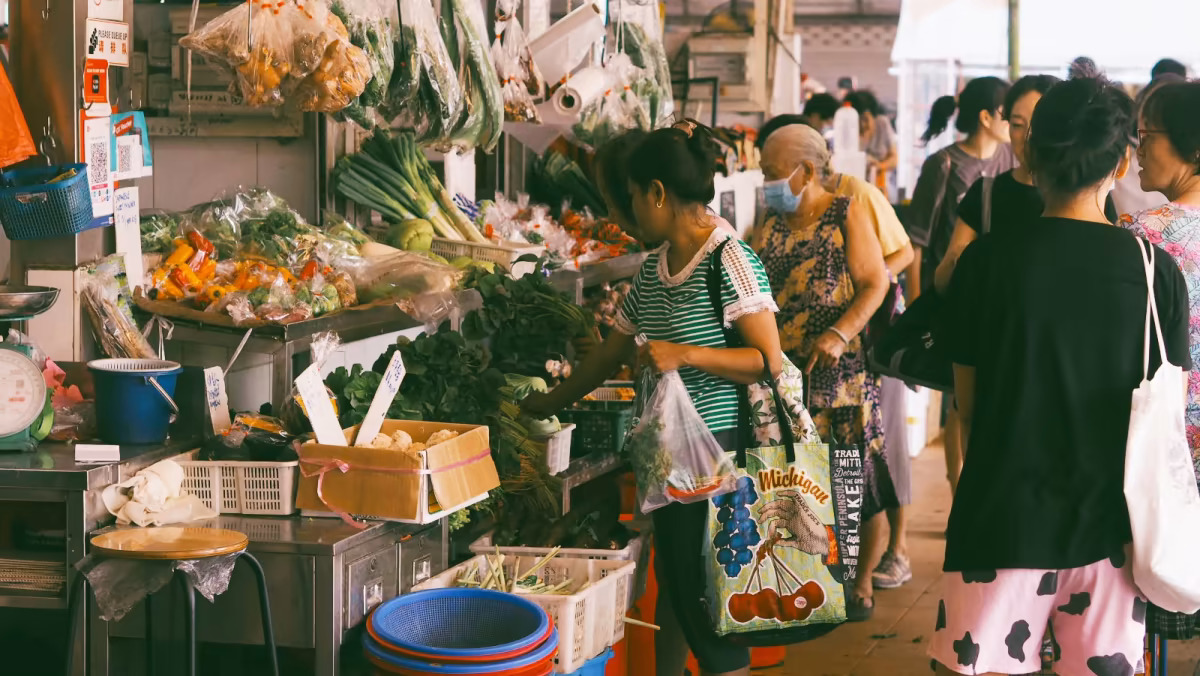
(827,273)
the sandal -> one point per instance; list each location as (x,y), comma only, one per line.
(857,609)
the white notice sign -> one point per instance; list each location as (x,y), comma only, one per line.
(108,40)
(320,410)
(128,217)
(382,401)
(217,399)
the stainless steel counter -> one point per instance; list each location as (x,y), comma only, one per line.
(53,466)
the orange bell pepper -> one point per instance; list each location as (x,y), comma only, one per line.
(207,270)
(179,255)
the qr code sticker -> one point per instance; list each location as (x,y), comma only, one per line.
(124,159)
(98,162)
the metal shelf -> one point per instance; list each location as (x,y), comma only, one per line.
(585,469)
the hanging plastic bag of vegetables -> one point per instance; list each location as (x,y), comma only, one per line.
(675,457)
(506,55)
(371,25)
(424,94)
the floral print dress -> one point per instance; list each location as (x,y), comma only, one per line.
(1176,228)
(809,273)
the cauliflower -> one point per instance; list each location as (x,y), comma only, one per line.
(440,437)
(417,447)
(401,440)
(381,440)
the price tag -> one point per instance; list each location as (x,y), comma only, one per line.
(382,401)
(217,399)
(319,408)
(127,217)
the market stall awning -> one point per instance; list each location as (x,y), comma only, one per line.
(1117,34)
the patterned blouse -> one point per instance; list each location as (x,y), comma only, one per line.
(810,274)
(1176,228)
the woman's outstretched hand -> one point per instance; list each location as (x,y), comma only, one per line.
(663,356)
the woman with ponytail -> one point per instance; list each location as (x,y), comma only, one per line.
(669,177)
(945,178)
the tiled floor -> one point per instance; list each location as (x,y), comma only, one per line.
(894,642)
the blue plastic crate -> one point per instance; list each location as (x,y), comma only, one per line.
(33,208)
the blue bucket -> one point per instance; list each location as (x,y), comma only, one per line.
(134,403)
(595,666)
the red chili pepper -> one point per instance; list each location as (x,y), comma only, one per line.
(199,242)
(310,269)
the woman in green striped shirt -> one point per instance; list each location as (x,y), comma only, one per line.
(670,181)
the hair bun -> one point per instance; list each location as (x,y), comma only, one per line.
(1084,68)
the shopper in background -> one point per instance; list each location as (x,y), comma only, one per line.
(1013,199)
(819,111)
(1168,67)
(944,179)
(1129,196)
(876,137)
(1169,151)
(826,270)
(1045,363)
(894,568)
(670,177)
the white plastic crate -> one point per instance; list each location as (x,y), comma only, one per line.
(504,255)
(589,621)
(632,552)
(236,487)
(558,449)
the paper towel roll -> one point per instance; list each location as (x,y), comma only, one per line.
(580,91)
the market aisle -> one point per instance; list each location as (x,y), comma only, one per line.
(893,643)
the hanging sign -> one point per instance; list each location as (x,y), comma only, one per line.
(130,152)
(95,81)
(108,40)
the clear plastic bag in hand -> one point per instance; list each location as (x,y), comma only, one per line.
(675,457)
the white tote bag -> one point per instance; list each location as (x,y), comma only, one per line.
(1160,484)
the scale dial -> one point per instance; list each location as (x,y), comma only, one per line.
(22,392)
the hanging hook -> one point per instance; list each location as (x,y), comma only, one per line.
(46,11)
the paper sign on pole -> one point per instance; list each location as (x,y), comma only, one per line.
(95,151)
(128,217)
(217,399)
(382,401)
(131,157)
(95,81)
(108,40)
(320,410)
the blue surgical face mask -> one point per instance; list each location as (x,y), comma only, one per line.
(779,195)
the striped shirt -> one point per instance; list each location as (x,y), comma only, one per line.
(677,309)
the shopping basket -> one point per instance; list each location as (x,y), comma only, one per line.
(34,207)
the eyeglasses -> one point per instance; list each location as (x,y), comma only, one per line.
(1143,133)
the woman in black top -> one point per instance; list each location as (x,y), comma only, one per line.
(1012,198)
(1046,327)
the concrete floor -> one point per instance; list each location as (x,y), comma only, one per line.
(894,642)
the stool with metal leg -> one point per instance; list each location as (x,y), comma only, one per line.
(176,544)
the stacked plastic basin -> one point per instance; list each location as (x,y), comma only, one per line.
(461,632)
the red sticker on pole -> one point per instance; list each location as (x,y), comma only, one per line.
(95,81)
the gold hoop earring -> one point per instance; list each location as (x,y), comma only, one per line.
(658,206)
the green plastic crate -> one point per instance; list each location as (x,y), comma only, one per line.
(600,426)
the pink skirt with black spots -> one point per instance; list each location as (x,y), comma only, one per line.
(993,621)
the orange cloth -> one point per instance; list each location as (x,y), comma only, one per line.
(16,143)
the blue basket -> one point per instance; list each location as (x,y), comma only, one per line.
(594,666)
(33,208)
(460,623)
(543,653)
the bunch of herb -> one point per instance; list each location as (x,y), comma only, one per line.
(448,379)
(355,389)
(527,320)
(649,456)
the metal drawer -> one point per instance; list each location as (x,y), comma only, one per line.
(370,580)
(421,557)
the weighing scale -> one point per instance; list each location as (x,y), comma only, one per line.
(26,412)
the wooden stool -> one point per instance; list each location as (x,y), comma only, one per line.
(171,543)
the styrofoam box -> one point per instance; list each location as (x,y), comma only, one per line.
(589,621)
(182,16)
(236,487)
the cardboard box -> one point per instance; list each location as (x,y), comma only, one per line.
(397,486)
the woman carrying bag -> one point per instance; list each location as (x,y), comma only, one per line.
(671,181)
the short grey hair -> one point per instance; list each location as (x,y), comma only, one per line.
(796,143)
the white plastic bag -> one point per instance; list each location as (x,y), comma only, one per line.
(1160,485)
(675,457)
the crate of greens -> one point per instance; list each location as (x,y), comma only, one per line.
(587,599)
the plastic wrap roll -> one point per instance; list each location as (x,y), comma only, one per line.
(562,47)
(580,91)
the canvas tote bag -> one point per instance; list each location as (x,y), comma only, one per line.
(1160,484)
